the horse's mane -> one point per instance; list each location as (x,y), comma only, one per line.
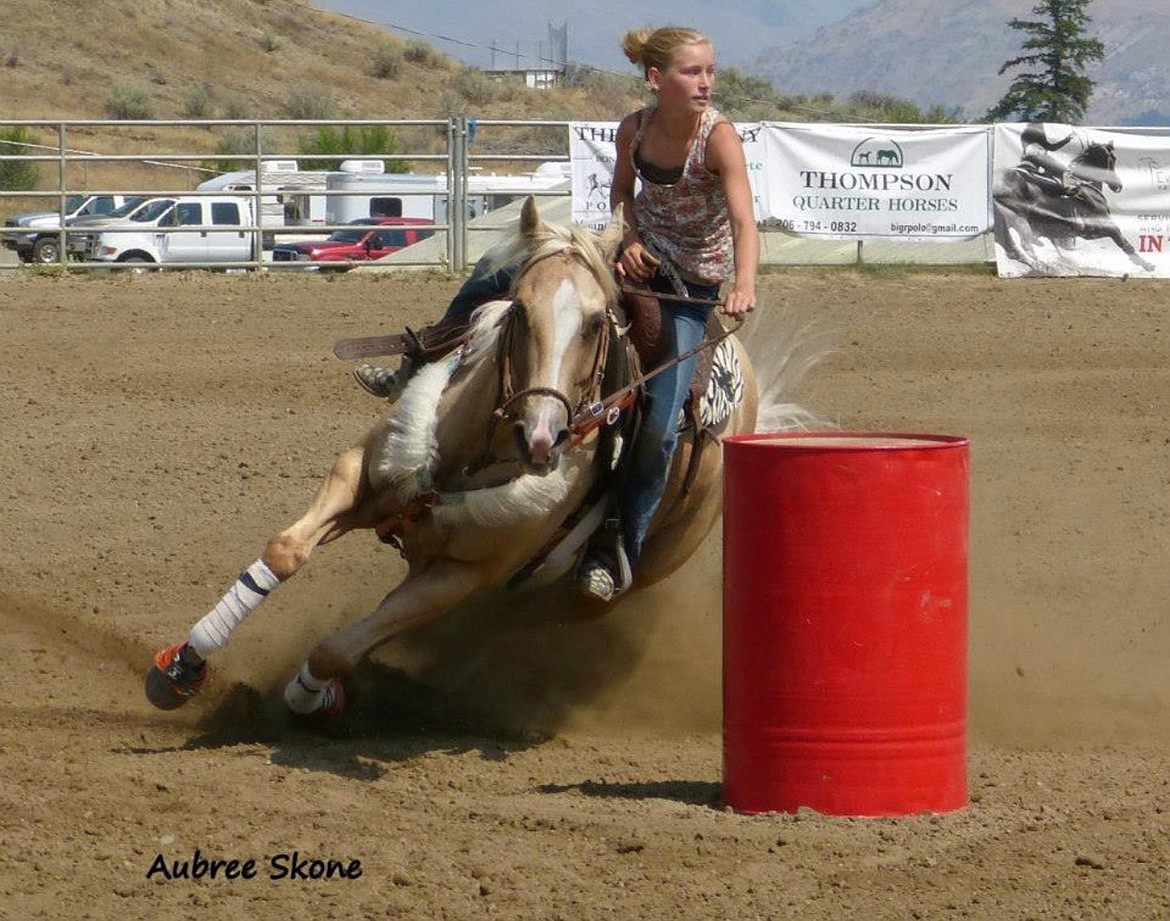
(1098,154)
(549,239)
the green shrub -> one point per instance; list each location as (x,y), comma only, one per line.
(387,63)
(237,109)
(308,100)
(129,101)
(17,175)
(419,52)
(197,103)
(236,149)
(474,86)
(351,141)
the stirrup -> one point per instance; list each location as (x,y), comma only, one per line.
(385,383)
(604,571)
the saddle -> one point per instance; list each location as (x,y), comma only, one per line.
(647,345)
(642,310)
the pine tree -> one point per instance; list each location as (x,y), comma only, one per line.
(1057,50)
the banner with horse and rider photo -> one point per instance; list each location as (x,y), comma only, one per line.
(1074,200)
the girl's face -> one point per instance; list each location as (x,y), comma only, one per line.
(688,81)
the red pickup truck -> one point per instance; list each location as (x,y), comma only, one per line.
(366,238)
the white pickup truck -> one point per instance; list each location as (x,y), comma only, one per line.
(180,229)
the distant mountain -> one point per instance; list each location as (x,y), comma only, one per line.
(948,52)
(494,34)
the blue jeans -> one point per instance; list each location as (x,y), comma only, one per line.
(649,462)
(483,284)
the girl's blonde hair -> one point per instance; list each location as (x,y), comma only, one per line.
(648,48)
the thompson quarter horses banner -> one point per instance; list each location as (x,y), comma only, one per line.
(845,181)
(1071,200)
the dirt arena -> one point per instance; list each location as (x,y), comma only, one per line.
(532,763)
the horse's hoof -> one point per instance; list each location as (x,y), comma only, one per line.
(328,720)
(171,682)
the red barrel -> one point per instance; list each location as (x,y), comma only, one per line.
(845,623)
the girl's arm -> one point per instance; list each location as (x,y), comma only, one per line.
(635,261)
(725,157)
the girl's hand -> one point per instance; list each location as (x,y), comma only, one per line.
(637,262)
(739,302)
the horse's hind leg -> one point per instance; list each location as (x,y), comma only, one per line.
(180,671)
(419,599)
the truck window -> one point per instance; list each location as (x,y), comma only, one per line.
(103,204)
(188,213)
(152,211)
(387,238)
(385,207)
(225,212)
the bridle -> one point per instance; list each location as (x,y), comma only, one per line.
(509,397)
(591,410)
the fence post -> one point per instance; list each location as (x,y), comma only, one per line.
(257,210)
(457,194)
(62,187)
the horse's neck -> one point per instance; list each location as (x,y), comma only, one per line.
(464,419)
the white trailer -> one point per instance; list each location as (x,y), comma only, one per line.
(292,197)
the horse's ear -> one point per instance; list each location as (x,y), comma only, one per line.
(611,237)
(530,222)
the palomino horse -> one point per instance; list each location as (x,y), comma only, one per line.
(477,468)
(1030,204)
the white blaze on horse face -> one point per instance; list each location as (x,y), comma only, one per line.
(566,315)
(566,327)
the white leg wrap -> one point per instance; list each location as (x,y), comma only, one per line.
(306,694)
(215,629)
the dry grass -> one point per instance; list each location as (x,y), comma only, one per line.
(244,58)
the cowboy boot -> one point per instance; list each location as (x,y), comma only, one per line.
(385,383)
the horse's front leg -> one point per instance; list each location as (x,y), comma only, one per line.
(420,598)
(1114,233)
(341,504)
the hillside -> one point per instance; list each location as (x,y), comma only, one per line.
(246,59)
(949,51)
(247,53)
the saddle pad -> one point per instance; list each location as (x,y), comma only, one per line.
(725,387)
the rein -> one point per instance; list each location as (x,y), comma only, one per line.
(591,411)
(609,409)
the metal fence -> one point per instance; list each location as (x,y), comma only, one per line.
(79,171)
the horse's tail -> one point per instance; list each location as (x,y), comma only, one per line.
(783,349)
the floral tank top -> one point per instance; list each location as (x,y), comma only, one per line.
(687,222)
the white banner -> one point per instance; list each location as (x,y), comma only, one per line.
(593,152)
(1081,201)
(846,181)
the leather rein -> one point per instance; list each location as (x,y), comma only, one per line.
(591,410)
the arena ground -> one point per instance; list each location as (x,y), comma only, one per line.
(533,763)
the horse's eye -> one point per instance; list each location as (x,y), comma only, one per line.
(594,326)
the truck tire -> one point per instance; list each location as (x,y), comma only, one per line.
(46,251)
(137,263)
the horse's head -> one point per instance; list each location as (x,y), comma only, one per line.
(1098,164)
(557,332)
